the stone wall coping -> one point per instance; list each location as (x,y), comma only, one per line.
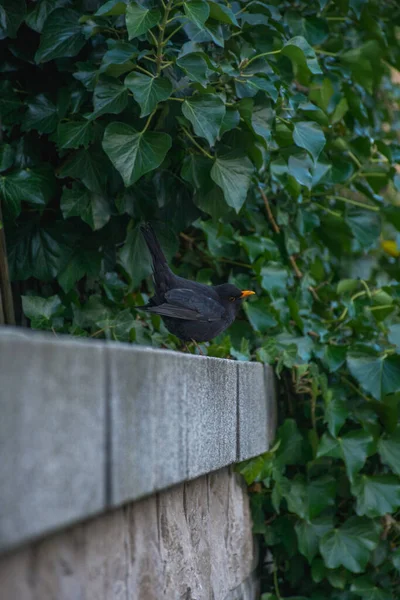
(89,425)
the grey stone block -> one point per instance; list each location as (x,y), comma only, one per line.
(256,399)
(211,388)
(148,420)
(52,437)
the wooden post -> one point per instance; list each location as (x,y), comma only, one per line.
(7,315)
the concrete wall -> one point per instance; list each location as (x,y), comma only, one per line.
(87,427)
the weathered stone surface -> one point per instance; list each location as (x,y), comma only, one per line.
(148,420)
(211,388)
(88,425)
(192,542)
(52,434)
(256,420)
(173,418)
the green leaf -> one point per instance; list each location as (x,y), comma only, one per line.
(222,13)
(119,58)
(6,157)
(110,97)
(205,113)
(308,534)
(89,166)
(73,134)
(134,257)
(40,311)
(389,450)
(355,446)
(195,67)
(197,11)
(62,36)
(376,495)
(111,8)
(12,13)
(394,335)
(378,375)
(367,590)
(309,136)
(139,20)
(365,225)
(78,201)
(258,313)
(233,175)
(290,450)
(79,263)
(41,115)
(300,167)
(133,154)
(302,55)
(148,91)
(350,544)
(35,186)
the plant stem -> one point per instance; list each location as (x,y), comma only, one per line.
(355,203)
(355,159)
(196,144)
(144,71)
(269,212)
(149,120)
(261,56)
(160,40)
(173,33)
(276,583)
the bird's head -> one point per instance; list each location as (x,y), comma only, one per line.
(231,296)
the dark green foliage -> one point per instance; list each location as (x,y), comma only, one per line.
(266,134)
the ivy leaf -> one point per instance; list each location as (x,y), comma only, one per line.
(258,313)
(355,446)
(309,532)
(110,97)
(222,13)
(35,186)
(62,35)
(111,8)
(78,201)
(74,134)
(89,166)
(394,335)
(367,590)
(197,12)
(139,20)
(6,157)
(389,449)
(41,311)
(205,113)
(134,257)
(195,67)
(309,136)
(350,544)
(302,54)
(290,450)
(300,167)
(233,175)
(378,375)
(79,263)
(12,13)
(119,58)
(365,225)
(148,91)
(133,154)
(41,115)
(376,495)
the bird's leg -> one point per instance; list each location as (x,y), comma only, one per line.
(198,347)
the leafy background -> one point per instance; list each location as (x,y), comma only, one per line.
(261,139)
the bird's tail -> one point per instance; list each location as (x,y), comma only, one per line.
(154,246)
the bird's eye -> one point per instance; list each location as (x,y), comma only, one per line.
(232,299)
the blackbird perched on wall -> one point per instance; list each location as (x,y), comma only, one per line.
(192,311)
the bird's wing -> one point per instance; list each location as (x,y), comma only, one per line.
(186,304)
(206,307)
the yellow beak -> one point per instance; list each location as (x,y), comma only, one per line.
(246,293)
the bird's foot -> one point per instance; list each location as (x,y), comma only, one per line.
(198,347)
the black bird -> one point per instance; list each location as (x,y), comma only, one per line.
(192,311)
